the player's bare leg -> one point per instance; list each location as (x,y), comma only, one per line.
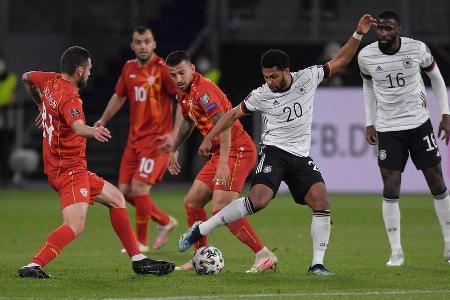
(317,200)
(74,218)
(435,181)
(197,197)
(236,210)
(391,215)
(113,198)
(265,259)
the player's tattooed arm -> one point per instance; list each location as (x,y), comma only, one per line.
(186,128)
(32,90)
(222,176)
(225,122)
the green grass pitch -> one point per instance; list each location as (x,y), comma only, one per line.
(92,266)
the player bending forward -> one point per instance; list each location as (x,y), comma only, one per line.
(233,156)
(286,104)
(64,154)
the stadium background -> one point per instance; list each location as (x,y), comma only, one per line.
(233,34)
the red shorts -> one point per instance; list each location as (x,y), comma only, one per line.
(77,186)
(147,165)
(240,162)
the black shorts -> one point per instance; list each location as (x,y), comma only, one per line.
(276,165)
(394,148)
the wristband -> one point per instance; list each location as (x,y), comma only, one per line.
(357,35)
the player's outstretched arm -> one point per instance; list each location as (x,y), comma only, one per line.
(113,106)
(347,52)
(225,122)
(168,139)
(440,91)
(31,89)
(99,133)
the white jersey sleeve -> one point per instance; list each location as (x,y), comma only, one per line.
(426,59)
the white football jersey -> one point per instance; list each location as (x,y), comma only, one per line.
(287,116)
(397,83)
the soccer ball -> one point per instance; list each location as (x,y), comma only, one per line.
(208,260)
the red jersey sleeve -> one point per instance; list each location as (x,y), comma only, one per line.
(72,110)
(121,87)
(39,78)
(209,101)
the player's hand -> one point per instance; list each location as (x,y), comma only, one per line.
(444,128)
(172,164)
(167,142)
(365,23)
(222,177)
(205,148)
(99,123)
(371,135)
(39,121)
(102,134)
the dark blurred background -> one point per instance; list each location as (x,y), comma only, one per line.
(231,34)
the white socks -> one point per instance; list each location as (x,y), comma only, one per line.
(442,208)
(320,233)
(138,257)
(391,217)
(236,210)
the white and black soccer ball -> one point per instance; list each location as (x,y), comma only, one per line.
(208,260)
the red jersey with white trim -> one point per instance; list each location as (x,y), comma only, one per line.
(203,101)
(62,148)
(149,90)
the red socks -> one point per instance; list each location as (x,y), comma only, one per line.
(244,232)
(142,217)
(55,243)
(193,215)
(122,227)
(146,209)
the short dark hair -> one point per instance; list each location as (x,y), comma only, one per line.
(141,29)
(389,14)
(176,57)
(275,58)
(72,58)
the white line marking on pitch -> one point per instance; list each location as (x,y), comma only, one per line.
(282,295)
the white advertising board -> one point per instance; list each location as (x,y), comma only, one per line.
(339,148)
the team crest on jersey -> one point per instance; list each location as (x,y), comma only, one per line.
(84,192)
(151,80)
(204,99)
(382,154)
(301,90)
(407,62)
(74,112)
(267,169)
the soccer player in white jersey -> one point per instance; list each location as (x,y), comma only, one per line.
(398,121)
(286,104)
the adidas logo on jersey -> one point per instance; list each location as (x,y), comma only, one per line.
(275,102)
(379,69)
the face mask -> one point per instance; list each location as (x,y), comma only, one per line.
(2,66)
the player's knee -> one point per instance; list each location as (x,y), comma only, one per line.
(192,202)
(139,188)
(259,200)
(117,200)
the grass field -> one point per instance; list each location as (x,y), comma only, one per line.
(93,267)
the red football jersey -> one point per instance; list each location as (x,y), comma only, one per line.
(149,90)
(62,149)
(203,101)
